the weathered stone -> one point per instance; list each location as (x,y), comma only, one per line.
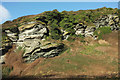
(32,31)
(108,20)
(2,59)
(79,31)
(12,36)
(27,26)
(45,50)
(103,42)
(30,39)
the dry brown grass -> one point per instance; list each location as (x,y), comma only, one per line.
(15,60)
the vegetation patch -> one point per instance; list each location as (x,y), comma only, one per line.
(90,50)
(101,31)
(6,71)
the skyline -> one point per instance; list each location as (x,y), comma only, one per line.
(18,9)
(60,1)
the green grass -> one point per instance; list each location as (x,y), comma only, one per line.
(61,64)
(90,50)
(73,37)
(76,62)
(6,71)
(101,31)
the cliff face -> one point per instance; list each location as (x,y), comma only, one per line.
(61,42)
(32,35)
(31,38)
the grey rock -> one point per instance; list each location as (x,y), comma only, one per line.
(12,36)
(45,50)
(2,59)
(89,31)
(31,39)
(108,20)
(32,31)
(80,29)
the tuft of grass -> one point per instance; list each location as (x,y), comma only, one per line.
(90,49)
(6,71)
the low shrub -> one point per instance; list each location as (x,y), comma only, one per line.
(55,34)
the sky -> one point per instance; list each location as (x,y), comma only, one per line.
(13,10)
(60,0)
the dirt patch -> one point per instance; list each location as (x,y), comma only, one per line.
(112,38)
(111,50)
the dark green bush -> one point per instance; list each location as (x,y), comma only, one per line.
(56,34)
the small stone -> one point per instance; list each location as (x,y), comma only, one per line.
(103,42)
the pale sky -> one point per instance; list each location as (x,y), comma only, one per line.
(60,0)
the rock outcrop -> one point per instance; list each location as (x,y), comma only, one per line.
(80,29)
(2,59)
(105,20)
(31,39)
(3,50)
(41,49)
(12,36)
(108,20)
(84,30)
(32,31)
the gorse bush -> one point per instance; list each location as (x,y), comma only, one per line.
(101,31)
(56,34)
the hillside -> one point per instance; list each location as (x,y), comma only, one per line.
(63,44)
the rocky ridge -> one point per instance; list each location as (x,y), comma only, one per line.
(32,37)
(104,21)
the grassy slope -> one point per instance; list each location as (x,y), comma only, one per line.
(79,59)
(78,63)
(89,58)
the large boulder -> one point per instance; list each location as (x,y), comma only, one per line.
(40,48)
